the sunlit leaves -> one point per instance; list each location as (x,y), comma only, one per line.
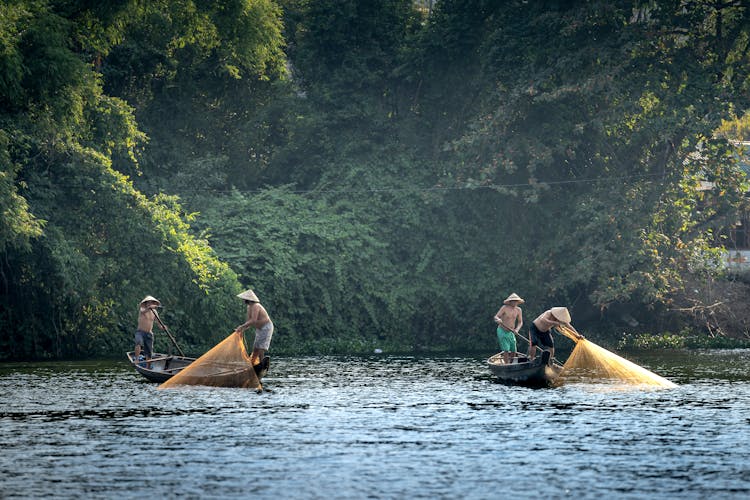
(614,109)
(18,226)
(94,244)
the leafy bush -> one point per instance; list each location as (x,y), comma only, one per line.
(679,341)
(650,341)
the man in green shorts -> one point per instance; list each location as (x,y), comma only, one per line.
(509,321)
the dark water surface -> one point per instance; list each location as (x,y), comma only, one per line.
(380,427)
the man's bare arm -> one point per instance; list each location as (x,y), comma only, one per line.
(519,321)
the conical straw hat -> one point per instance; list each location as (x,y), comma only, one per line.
(249,295)
(561,314)
(513,296)
(149,298)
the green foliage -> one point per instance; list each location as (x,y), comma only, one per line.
(607,132)
(12,24)
(346,58)
(17,225)
(200,75)
(317,266)
(382,179)
(706,342)
(689,340)
(104,247)
(647,341)
(80,244)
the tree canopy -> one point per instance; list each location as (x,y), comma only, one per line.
(382,174)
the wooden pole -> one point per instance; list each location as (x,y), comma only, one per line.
(168,332)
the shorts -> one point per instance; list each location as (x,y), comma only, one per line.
(146,340)
(541,338)
(507,339)
(263,336)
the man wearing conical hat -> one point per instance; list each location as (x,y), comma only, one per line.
(144,335)
(257,316)
(540,331)
(509,321)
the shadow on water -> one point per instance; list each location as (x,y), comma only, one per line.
(376,426)
(98,414)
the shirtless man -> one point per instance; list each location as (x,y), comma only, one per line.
(144,335)
(540,332)
(257,316)
(509,321)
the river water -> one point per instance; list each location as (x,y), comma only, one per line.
(379,427)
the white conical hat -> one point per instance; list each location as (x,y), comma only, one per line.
(561,314)
(249,295)
(513,296)
(149,298)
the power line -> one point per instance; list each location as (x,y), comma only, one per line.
(416,189)
(431,188)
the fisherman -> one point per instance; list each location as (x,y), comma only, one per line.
(509,321)
(540,331)
(257,316)
(144,335)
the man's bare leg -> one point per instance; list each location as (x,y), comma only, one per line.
(257,356)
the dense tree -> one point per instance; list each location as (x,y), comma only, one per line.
(382,173)
(595,111)
(200,76)
(80,244)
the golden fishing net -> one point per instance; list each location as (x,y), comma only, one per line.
(588,360)
(225,365)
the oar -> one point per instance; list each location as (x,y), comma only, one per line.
(514,332)
(156,315)
(520,336)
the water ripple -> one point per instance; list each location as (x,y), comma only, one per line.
(376,427)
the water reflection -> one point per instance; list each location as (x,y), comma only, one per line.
(376,427)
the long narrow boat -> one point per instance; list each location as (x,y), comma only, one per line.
(541,372)
(161,367)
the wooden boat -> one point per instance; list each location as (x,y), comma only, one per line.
(222,373)
(161,367)
(541,372)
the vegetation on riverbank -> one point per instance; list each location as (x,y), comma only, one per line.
(380,174)
(681,340)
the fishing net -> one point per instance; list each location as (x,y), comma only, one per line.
(588,360)
(225,365)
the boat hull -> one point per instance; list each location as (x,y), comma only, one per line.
(161,367)
(541,372)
